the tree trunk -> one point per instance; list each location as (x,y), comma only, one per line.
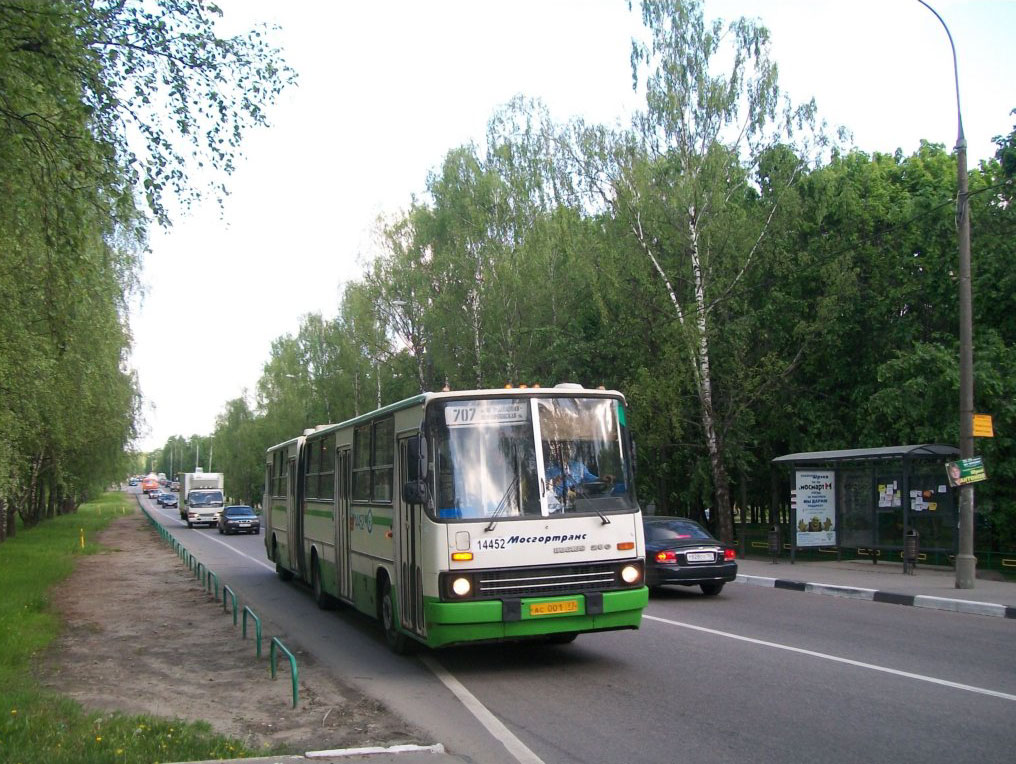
(51,499)
(704,379)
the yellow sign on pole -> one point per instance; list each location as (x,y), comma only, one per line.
(982,426)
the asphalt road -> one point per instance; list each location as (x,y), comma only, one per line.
(756,674)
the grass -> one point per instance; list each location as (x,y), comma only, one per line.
(38,725)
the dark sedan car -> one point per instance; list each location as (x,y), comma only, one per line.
(239,518)
(168,499)
(681,552)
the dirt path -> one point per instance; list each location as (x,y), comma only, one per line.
(133,613)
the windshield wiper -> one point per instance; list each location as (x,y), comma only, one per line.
(512,491)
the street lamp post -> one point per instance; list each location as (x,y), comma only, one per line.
(966,563)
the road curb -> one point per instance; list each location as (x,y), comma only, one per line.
(893,598)
(411,754)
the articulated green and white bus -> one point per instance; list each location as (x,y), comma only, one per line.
(466,516)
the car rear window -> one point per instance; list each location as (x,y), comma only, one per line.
(675,530)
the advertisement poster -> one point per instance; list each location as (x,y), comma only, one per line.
(965,471)
(816,508)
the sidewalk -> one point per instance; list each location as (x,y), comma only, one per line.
(929,587)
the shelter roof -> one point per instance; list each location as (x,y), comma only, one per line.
(921,451)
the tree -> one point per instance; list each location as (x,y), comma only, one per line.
(102,103)
(686,182)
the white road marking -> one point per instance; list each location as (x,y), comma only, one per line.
(837,659)
(494,726)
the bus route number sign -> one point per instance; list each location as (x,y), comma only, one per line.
(479,413)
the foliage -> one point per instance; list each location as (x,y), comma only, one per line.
(104,104)
(751,297)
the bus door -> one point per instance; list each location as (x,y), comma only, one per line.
(342,573)
(408,545)
(294,515)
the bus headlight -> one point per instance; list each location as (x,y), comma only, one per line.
(457,586)
(631,574)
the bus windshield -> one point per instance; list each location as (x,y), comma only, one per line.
(501,458)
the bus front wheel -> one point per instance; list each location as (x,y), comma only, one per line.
(397,641)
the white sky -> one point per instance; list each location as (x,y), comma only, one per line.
(388,87)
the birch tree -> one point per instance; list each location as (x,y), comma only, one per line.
(685,182)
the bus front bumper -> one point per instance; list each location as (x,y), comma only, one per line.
(495,620)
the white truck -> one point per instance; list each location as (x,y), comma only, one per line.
(201,497)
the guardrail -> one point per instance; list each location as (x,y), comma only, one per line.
(257,627)
(206,577)
(292,665)
(231,594)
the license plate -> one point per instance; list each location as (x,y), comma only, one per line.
(700,556)
(554,608)
(244,523)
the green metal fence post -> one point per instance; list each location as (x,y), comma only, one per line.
(225,588)
(292,665)
(257,627)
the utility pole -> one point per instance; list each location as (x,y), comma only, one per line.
(966,563)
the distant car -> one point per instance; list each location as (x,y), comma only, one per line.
(681,552)
(168,499)
(239,518)
(132,481)
(175,485)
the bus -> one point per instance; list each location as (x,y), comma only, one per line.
(457,517)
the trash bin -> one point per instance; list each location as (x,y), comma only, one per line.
(911,546)
(774,542)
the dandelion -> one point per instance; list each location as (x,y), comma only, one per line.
(98,738)
(14,712)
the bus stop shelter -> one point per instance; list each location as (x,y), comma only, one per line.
(875,501)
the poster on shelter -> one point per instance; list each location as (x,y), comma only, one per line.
(816,508)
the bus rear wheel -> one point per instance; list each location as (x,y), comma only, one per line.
(322,599)
(397,641)
(280,571)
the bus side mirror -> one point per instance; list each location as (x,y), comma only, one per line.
(414,492)
(416,457)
